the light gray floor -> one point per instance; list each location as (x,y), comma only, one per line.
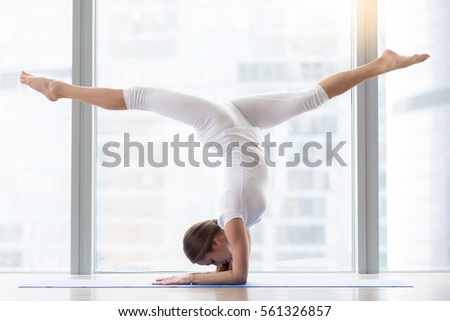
(427,287)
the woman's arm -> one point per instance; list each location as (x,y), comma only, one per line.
(238,240)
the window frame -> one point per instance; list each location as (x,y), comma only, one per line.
(83,141)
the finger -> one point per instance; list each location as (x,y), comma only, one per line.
(160,282)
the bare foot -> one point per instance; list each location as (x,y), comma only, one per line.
(391,60)
(47,87)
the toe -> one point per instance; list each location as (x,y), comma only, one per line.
(23,73)
(425,56)
(22,76)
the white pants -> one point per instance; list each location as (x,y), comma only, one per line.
(210,118)
(246,191)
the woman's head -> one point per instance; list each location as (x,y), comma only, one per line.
(205,243)
(199,238)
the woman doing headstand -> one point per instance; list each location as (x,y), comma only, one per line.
(245,194)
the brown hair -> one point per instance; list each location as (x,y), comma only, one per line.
(198,239)
(225,267)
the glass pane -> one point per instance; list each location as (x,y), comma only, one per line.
(222,49)
(414,132)
(35,138)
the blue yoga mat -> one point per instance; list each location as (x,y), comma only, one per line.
(295,283)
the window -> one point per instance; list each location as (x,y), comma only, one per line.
(414,114)
(35,139)
(221,49)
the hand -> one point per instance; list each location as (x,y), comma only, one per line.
(174,280)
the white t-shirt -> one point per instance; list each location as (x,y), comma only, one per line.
(246,179)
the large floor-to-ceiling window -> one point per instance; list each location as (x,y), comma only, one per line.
(35,138)
(222,49)
(414,144)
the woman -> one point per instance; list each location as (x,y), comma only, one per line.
(246,189)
